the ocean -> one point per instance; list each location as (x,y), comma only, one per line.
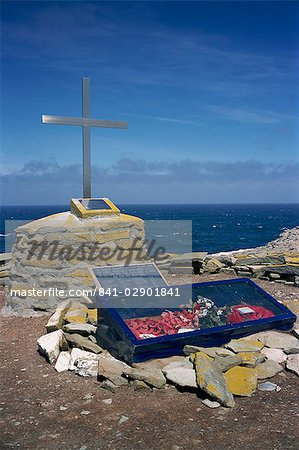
(214,227)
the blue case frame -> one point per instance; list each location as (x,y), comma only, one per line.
(123,344)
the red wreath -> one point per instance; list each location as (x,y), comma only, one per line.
(168,323)
(259,312)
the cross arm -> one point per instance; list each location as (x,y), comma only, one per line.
(82,121)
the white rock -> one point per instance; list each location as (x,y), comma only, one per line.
(175,364)
(275,354)
(55,321)
(84,363)
(78,354)
(86,368)
(210,403)
(293,363)
(182,376)
(88,397)
(107,401)
(50,344)
(84,413)
(123,419)
(63,362)
(284,341)
(267,386)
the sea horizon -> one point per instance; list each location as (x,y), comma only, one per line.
(158,204)
(215,227)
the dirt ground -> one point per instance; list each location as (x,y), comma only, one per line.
(32,395)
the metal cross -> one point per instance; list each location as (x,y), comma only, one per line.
(85,122)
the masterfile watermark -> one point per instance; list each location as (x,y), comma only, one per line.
(92,292)
(53,292)
(93,251)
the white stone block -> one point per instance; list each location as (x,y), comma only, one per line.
(50,344)
(63,362)
(80,355)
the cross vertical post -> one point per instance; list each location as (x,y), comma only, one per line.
(86,138)
(85,122)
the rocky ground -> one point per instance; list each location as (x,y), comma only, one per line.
(43,409)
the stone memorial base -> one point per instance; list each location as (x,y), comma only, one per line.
(51,256)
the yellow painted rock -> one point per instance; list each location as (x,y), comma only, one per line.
(213,352)
(76,314)
(192,357)
(213,265)
(251,359)
(241,381)
(83,274)
(210,379)
(292,259)
(92,316)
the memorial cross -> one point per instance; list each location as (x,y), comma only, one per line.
(86,123)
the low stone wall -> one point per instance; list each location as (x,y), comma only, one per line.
(55,252)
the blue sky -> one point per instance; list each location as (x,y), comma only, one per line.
(210,91)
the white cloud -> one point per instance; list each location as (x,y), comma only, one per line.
(243,115)
(172,120)
(140,181)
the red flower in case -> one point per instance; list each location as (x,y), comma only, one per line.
(237,314)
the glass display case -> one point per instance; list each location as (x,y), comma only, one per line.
(139,327)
